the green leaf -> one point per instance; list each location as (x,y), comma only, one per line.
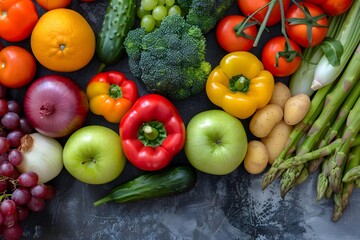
(333,50)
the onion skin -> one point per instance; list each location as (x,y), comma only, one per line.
(42,155)
(55,106)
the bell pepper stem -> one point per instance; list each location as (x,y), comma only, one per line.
(150,132)
(115,91)
(239,83)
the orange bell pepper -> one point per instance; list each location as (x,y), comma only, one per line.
(240,85)
(111,95)
(18,18)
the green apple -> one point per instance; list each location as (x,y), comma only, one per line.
(93,155)
(216,142)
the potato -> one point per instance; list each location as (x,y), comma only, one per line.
(276,140)
(296,108)
(264,119)
(280,95)
(256,158)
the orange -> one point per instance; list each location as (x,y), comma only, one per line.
(63,41)
(52,4)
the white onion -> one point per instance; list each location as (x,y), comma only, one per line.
(42,155)
(55,106)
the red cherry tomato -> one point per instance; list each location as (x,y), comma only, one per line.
(229,39)
(17,66)
(248,7)
(297,24)
(333,7)
(277,46)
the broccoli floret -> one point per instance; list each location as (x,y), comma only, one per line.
(205,14)
(133,48)
(171,59)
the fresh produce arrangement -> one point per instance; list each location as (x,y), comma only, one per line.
(286,112)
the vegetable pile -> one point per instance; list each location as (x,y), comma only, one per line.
(298,98)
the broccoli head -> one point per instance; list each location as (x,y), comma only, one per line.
(171,59)
(205,14)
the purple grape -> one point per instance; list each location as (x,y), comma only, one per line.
(15,137)
(4,157)
(14,106)
(3,186)
(39,191)
(10,220)
(21,196)
(4,145)
(25,125)
(15,157)
(23,212)
(10,120)
(7,169)
(28,179)
(3,107)
(36,204)
(7,207)
(13,232)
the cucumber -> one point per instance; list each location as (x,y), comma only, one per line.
(168,182)
(118,21)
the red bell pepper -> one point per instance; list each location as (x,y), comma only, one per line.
(17,19)
(152,132)
(111,95)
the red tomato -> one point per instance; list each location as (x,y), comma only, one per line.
(317,2)
(231,41)
(297,24)
(18,18)
(285,67)
(336,7)
(17,67)
(248,7)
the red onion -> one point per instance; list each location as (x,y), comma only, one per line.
(55,106)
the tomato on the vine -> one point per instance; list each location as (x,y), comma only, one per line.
(17,66)
(333,7)
(230,38)
(248,7)
(306,24)
(279,58)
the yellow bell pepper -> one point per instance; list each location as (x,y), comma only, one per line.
(240,85)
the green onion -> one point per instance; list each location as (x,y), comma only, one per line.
(349,36)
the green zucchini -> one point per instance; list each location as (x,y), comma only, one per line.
(118,21)
(168,182)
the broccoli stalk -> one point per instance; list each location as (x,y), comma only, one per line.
(171,59)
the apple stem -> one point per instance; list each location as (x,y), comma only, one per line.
(150,132)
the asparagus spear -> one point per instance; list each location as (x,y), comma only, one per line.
(322,181)
(342,199)
(334,100)
(297,133)
(339,158)
(338,123)
(352,172)
(317,153)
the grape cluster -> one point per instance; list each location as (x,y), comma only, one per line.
(151,12)
(20,193)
